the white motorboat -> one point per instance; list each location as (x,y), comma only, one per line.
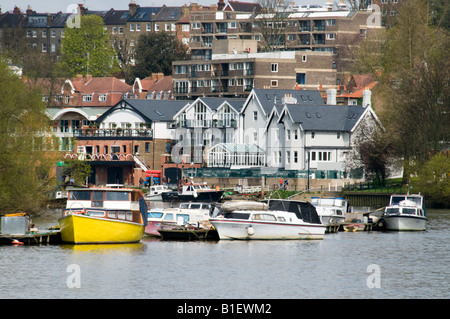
(330,210)
(405,212)
(155,192)
(279,219)
(186,213)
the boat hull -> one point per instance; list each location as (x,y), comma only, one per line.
(405,223)
(235,229)
(81,229)
(205,196)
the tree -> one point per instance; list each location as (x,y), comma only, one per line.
(87,49)
(155,53)
(413,69)
(25,151)
(273,20)
(434,179)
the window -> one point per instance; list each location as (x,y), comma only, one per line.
(255,137)
(338,135)
(313,134)
(232,25)
(288,157)
(87,98)
(274,83)
(274,67)
(156,27)
(288,135)
(147,147)
(102,98)
(331,22)
(295,157)
(295,134)
(301,77)
(331,36)
(132,27)
(167,26)
(255,115)
(138,27)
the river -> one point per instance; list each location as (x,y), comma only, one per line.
(343,265)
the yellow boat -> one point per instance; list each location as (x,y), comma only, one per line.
(103,216)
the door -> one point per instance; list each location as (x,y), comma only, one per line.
(115,175)
(173,175)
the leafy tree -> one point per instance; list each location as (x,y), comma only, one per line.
(78,170)
(434,179)
(25,151)
(155,53)
(413,69)
(87,49)
(273,20)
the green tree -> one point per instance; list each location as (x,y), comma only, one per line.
(413,67)
(25,151)
(87,49)
(434,179)
(78,170)
(155,53)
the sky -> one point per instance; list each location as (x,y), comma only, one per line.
(44,6)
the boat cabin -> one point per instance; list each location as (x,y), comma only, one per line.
(106,198)
(405,207)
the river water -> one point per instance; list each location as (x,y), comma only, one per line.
(342,265)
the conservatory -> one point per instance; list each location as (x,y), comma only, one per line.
(236,155)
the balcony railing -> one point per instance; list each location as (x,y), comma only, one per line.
(115,132)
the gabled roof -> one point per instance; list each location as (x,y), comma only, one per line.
(267,98)
(150,110)
(342,118)
(100,85)
(242,6)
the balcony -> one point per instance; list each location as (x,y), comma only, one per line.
(194,123)
(116,133)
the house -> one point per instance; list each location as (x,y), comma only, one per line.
(312,135)
(154,87)
(130,138)
(204,123)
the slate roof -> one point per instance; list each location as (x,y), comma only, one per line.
(154,110)
(169,14)
(326,117)
(116,17)
(243,6)
(144,14)
(270,97)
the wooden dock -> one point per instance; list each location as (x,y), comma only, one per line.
(51,237)
(334,228)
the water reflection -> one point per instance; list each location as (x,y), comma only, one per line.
(106,248)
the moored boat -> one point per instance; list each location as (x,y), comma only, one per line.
(103,216)
(280,219)
(330,210)
(196,192)
(186,213)
(155,192)
(405,212)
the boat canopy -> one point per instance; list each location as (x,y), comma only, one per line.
(303,210)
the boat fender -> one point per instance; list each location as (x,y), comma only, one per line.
(250,230)
(195,194)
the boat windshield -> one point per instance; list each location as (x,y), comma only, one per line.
(237,215)
(410,211)
(80,195)
(392,211)
(155,214)
(183,217)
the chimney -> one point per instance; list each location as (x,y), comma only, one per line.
(220,5)
(366,98)
(331,96)
(132,7)
(29,10)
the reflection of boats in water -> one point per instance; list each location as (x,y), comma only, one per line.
(186,213)
(277,219)
(103,216)
(156,191)
(405,212)
(196,192)
(330,210)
